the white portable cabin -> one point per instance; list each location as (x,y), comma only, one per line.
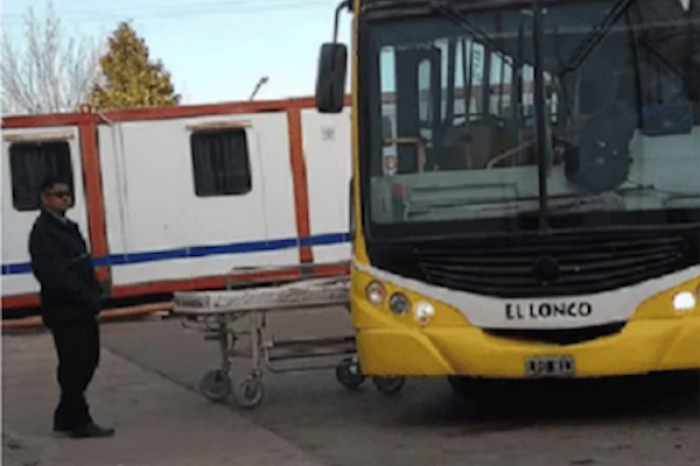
(174,198)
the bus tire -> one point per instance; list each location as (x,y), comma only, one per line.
(389,385)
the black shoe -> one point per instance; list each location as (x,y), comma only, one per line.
(60,428)
(92,430)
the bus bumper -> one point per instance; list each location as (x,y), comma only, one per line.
(642,347)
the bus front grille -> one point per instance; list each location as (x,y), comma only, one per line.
(556,265)
(560,337)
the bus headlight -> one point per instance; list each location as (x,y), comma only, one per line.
(684,301)
(399,303)
(375,293)
(423,312)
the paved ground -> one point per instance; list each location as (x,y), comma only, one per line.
(653,421)
(159,423)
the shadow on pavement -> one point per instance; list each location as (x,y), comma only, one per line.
(316,401)
(659,396)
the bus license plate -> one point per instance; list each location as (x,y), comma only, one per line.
(550,367)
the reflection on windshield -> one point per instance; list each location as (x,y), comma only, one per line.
(457,139)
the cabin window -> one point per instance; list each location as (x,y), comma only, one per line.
(30,163)
(221,162)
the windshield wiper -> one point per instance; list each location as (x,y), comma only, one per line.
(671,195)
(446,8)
(611,201)
(521,207)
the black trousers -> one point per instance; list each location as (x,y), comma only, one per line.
(78,350)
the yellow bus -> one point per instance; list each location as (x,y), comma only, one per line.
(526,186)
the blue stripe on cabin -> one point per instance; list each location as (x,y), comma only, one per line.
(199,251)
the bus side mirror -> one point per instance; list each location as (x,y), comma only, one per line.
(330,81)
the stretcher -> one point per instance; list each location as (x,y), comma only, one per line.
(217,313)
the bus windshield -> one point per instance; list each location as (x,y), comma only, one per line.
(451,133)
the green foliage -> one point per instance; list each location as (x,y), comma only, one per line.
(132,80)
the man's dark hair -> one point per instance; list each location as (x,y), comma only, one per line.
(52,180)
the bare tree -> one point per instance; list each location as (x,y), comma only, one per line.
(52,72)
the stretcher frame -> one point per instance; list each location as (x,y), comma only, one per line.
(215,314)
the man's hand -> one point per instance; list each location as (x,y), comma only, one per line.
(104,291)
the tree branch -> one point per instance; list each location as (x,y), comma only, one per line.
(53,72)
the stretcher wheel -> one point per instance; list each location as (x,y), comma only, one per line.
(347,372)
(216,385)
(389,385)
(250,393)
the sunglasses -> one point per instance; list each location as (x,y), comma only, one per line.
(61,194)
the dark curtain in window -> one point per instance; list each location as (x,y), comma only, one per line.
(220,162)
(30,163)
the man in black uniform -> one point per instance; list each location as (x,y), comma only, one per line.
(70,305)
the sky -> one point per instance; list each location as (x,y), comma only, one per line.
(215,50)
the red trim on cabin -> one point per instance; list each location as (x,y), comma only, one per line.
(300,181)
(41,121)
(157,113)
(203,283)
(20,301)
(162,113)
(189,111)
(94,195)
(169,286)
(219,282)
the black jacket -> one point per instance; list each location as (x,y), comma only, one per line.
(62,265)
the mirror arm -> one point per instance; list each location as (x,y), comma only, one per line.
(344,5)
